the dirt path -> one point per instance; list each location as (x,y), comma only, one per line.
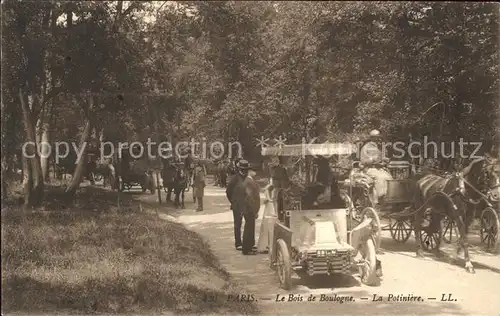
(404,274)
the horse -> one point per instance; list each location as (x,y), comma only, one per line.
(178,185)
(454,196)
(168,179)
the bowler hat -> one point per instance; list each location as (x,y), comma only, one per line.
(243,165)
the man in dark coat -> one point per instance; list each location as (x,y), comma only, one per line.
(246,204)
(237,216)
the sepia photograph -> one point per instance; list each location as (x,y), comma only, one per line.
(250,158)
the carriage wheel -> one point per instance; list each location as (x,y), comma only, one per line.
(400,230)
(284,265)
(368,272)
(489,228)
(450,232)
(370,212)
(430,236)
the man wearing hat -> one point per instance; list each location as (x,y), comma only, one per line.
(199,185)
(371,152)
(372,158)
(246,204)
(241,171)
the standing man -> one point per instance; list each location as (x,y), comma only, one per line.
(247,202)
(199,185)
(238,177)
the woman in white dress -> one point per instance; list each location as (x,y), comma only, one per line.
(268,219)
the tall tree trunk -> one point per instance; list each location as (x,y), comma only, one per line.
(48,111)
(4,177)
(44,160)
(27,182)
(496,141)
(36,190)
(81,164)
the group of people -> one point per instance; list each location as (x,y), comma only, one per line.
(193,176)
(243,194)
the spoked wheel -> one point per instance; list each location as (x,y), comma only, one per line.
(489,229)
(400,229)
(283,265)
(450,232)
(369,212)
(368,271)
(431,232)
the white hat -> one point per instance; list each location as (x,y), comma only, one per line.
(374,133)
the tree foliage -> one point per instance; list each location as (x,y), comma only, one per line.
(237,70)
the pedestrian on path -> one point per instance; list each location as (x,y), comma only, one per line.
(199,185)
(238,177)
(246,201)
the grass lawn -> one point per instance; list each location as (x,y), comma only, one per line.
(93,258)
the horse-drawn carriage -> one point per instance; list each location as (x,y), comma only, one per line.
(134,172)
(396,205)
(399,208)
(482,179)
(313,240)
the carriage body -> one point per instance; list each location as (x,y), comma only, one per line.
(135,172)
(320,241)
(396,207)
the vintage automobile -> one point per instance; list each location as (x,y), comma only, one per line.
(320,241)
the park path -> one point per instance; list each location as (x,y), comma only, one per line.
(404,274)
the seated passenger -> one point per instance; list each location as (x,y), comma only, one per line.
(322,196)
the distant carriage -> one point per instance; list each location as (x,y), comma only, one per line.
(134,172)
